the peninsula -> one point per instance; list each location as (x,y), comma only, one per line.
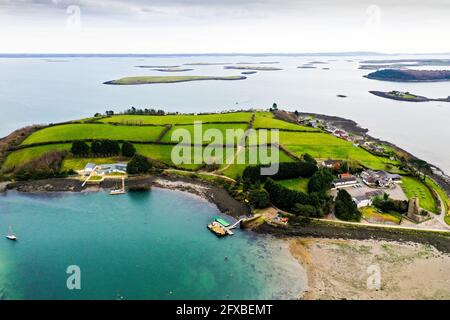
(406,96)
(408,75)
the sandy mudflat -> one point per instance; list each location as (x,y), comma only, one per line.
(340,269)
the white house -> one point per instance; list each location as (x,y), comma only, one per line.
(345,181)
(89,168)
(362,201)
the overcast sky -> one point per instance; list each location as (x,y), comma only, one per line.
(213,26)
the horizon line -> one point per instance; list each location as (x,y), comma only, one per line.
(324,53)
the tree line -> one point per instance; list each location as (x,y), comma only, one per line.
(102,148)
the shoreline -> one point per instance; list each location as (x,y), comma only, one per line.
(211,192)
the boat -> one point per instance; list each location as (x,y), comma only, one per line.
(117,191)
(11,236)
(217,229)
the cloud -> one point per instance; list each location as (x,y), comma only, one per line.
(225,25)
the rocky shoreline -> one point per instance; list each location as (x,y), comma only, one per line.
(441,241)
(211,192)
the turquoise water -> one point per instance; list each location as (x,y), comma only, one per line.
(136,246)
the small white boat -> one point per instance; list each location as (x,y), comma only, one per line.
(11,236)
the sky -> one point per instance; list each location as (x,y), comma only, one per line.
(225,26)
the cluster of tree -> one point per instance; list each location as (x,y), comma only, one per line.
(345,208)
(46,166)
(286,170)
(310,205)
(320,181)
(103,148)
(259,198)
(151,112)
(138,164)
(387,204)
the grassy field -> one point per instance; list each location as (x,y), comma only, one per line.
(20,157)
(299,184)
(236,169)
(221,127)
(324,146)
(80,163)
(94,131)
(267,120)
(179,119)
(441,192)
(372,215)
(168,79)
(415,188)
(163,153)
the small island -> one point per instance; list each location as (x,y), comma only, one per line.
(409,75)
(406,96)
(169,79)
(157,67)
(173,69)
(255,68)
(306,66)
(249,72)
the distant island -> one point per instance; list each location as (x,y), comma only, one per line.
(249,72)
(206,63)
(307,67)
(255,68)
(157,67)
(408,75)
(169,79)
(406,96)
(402,63)
(173,69)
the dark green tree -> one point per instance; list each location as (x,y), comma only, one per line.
(345,208)
(138,164)
(128,149)
(80,148)
(259,198)
(320,181)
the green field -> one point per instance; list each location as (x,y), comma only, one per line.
(324,146)
(298,184)
(415,188)
(179,119)
(267,120)
(20,157)
(222,127)
(168,79)
(94,131)
(236,169)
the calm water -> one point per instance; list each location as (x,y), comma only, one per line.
(136,246)
(37,90)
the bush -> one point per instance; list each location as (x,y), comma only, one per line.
(80,148)
(388,205)
(259,199)
(46,166)
(138,164)
(105,147)
(345,208)
(320,181)
(128,149)
(287,170)
(291,200)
